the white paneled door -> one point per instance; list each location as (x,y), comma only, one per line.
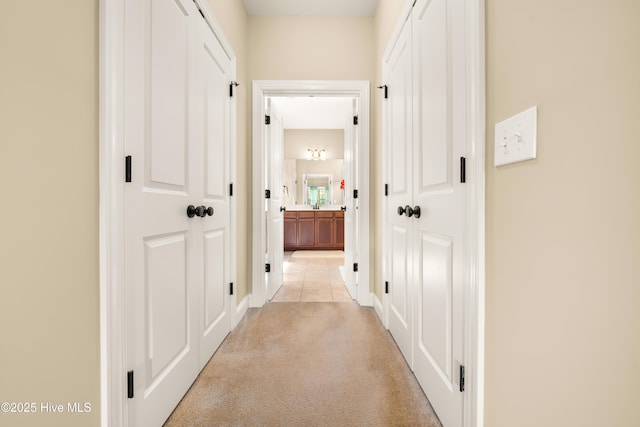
(177,134)
(427,229)
(274,132)
(399,229)
(439,123)
(213,124)
(350,212)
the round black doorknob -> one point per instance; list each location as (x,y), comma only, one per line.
(400,210)
(200,211)
(416,211)
(209,211)
(282,209)
(408,210)
(191,211)
(343,208)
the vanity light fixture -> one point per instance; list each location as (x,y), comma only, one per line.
(316,154)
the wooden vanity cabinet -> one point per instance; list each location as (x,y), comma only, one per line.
(313,230)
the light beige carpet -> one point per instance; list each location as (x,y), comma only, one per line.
(317,254)
(306,364)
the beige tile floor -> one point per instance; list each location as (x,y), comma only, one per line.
(312,280)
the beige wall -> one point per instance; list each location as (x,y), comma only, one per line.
(233,21)
(563,231)
(297,141)
(49,306)
(310,48)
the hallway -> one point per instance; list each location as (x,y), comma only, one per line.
(306,364)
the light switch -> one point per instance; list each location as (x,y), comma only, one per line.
(515,138)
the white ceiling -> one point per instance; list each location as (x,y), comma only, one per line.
(310,7)
(317,112)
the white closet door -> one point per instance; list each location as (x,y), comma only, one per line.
(349,175)
(439,256)
(400,236)
(177,132)
(161,245)
(214,125)
(275,229)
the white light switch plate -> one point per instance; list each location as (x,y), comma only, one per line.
(515,138)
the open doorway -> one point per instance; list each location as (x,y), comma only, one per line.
(338,196)
(315,170)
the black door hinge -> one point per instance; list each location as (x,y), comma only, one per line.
(355,194)
(386,91)
(463,169)
(267,194)
(231,288)
(386,287)
(267,120)
(267,268)
(231,189)
(355,267)
(199,10)
(130,384)
(231,86)
(461,378)
(386,189)
(127,169)
(355,120)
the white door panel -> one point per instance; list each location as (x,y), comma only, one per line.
(168,80)
(213,124)
(398,123)
(275,228)
(440,255)
(350,213)
(425,140)
(173,264)
(400,305)
(159,240)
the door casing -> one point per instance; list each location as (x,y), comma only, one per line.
(113,385)
(267,88)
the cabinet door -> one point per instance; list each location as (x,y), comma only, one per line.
(324,230)
(290,233)
(306,230)
(339,231)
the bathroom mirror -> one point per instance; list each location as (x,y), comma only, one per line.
(296,166)
(317,189)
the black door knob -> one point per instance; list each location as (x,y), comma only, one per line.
(209,211)
(400,210)
(408,210)
(416,211)
(343,208)
(282,209)
(191,211)
(200,211)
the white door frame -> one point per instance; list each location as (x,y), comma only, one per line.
(113,385)
(265,88)
(474,328)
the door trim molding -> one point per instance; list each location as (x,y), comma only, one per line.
(111,18)
(264,88)
(475,301)
(111,221)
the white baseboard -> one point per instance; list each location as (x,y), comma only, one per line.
(378,307)
(241,310)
